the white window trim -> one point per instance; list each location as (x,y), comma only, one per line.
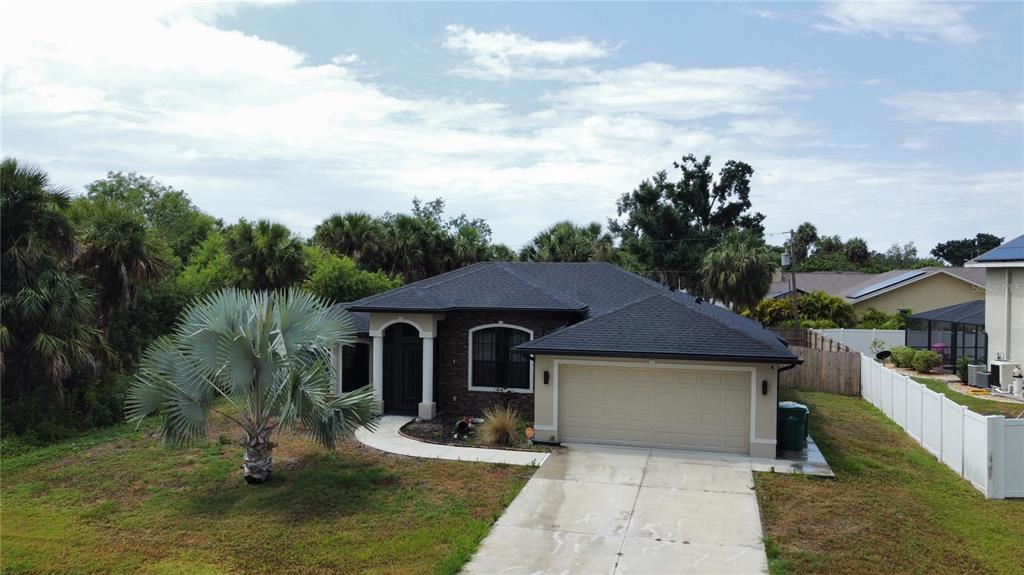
(469,355)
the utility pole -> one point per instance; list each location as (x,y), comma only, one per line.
(792,279)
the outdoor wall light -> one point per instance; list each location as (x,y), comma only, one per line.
(764,387)
(546,376)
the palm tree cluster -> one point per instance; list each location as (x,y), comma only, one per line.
(412,246)
(60,282)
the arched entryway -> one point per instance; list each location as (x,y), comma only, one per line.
(403,369)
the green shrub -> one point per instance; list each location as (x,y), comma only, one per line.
(961,368)
(902,356)
(924,361)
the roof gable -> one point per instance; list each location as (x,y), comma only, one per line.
(667,324)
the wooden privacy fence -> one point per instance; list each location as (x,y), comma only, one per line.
(830,371)
(809,338)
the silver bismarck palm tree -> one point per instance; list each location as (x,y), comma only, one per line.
(261,360)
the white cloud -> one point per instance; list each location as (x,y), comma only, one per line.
(971,107)
(345,59)
(504,55)
(669,92)
(915,144)
(250,127)
(916,20)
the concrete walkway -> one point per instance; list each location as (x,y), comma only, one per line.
(597,509)
(387,438)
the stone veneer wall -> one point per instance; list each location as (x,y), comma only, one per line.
(453,396)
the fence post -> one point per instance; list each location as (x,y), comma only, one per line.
(995,484)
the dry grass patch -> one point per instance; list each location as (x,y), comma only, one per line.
(891,509)
(127,505)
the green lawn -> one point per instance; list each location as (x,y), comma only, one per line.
(975,404)
(893,508)
(118,502)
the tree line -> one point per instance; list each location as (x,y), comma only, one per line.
(89,280)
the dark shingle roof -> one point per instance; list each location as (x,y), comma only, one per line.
(670,325)
(574,287)
(360,318)
(1011,251)
(971,312)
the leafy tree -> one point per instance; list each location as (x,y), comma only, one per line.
(338,279)
(738,271)
(821,306)
(168,211)
(874,319)
(263,361)
(816,309)
(567,242)
(669,226)
(957,252)
(267,255)
(209,269)
(829,245)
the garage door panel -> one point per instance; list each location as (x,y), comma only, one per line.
(668,408)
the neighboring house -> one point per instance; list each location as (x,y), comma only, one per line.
(1004,299)
(587,351)
(892,291)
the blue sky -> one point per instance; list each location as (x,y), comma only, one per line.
(894,122)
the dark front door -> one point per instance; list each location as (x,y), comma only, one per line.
(403,369)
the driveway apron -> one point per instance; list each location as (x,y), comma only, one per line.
(598,509)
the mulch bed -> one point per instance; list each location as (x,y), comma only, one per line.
(441,430)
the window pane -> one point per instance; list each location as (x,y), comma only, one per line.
(494,364)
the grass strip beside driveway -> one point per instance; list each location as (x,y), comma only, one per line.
(893,508)
(124,504)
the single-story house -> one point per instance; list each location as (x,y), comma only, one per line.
(1004,300)
(587,351)
(890,292)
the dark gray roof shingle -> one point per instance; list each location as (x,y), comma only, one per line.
(971,312)
(669,325)
(592,288)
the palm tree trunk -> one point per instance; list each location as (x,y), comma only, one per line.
(258,459)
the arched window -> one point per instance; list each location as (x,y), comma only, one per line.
(492,364)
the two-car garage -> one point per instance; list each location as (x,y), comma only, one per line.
(666,406)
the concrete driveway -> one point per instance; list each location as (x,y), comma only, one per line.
(597,509)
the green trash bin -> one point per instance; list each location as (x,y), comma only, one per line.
(791,426)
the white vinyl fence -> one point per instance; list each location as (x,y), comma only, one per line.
(860,339)
(988,450)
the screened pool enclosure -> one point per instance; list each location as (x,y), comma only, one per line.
(953,332)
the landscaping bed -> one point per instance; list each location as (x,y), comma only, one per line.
(982,405)
(442,430)
(892,508)
(125,504)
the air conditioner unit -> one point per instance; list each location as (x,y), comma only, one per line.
(972,374)
(982,378)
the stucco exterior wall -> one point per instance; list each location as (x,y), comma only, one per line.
(938,290)
(1004,313)
(763,426)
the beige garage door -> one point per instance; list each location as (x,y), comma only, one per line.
(656,407)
